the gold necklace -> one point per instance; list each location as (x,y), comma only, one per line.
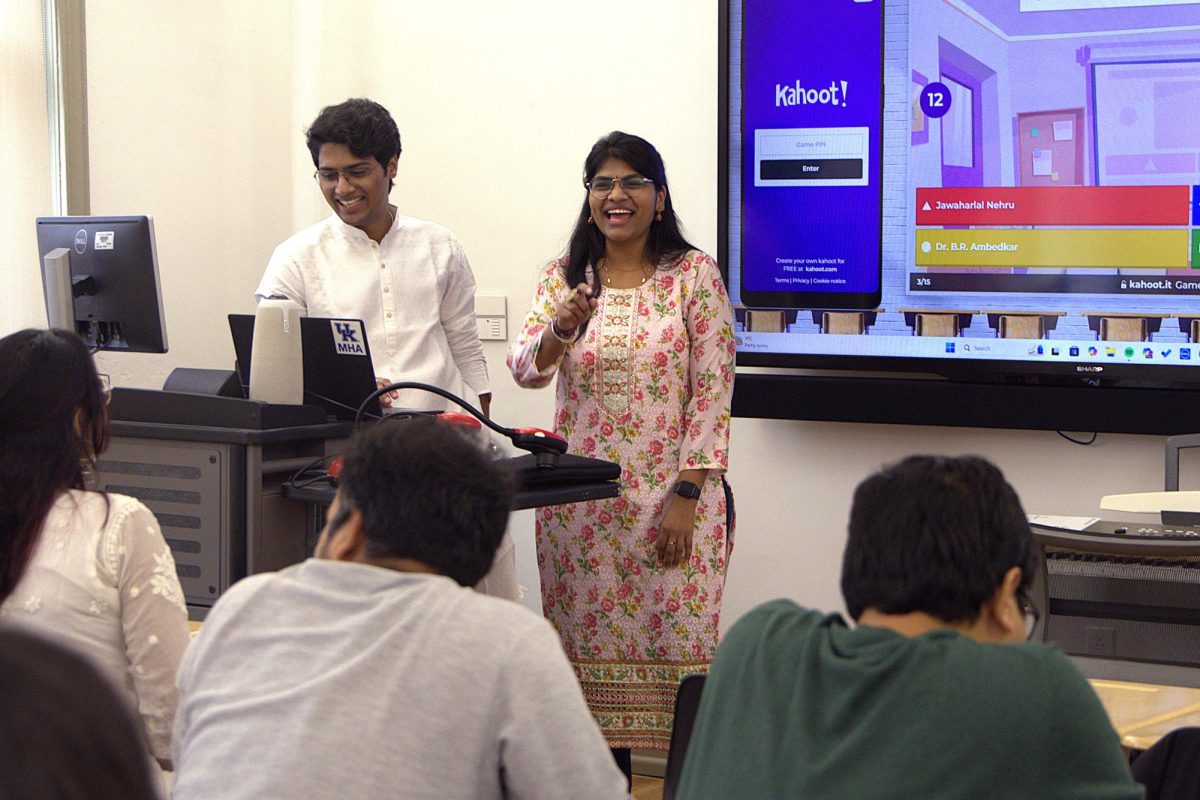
(606,273)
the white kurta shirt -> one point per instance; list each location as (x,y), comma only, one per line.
(102,582)
(414,292)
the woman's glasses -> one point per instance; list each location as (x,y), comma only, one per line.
(601,186)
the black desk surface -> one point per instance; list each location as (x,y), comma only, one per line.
(322,493)
(180,416)
(565,479)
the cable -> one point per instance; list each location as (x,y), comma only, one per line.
(1078,441)
(296,480)
(358,411)
(545,445)
(391,387)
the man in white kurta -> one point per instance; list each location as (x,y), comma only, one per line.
(414,292)
(408,280)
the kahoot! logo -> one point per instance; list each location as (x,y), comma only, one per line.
(348,337)
(835,94)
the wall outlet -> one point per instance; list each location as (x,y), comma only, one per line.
(1099,640)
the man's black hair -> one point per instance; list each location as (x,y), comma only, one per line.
(364,126)
(936,535)
(427,492)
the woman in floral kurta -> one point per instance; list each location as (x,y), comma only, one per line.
(646,382)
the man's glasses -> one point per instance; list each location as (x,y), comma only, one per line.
(601,186)
(356,173)
(1031,614)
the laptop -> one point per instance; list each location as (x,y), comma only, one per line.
(338,371)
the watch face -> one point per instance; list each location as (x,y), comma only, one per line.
(687,489)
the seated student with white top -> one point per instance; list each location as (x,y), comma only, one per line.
(88,569)
(372,670)
(934,693)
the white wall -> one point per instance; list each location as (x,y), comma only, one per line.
(197,118)
(24,162)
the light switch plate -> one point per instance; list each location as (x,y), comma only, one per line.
(491,318)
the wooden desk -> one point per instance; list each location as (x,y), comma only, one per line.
(1190,324)
(841,322)
(1114,326)
(947,322)
(1142,713)
(1023,324)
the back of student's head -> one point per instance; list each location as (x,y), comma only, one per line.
(936,535)
(64,732)
(427,492)
(53,418)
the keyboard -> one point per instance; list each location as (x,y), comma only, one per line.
(1126,538)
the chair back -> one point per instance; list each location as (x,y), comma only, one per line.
(1169,770)
(687,701)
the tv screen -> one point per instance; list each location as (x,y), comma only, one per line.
(982,190)
(101,280)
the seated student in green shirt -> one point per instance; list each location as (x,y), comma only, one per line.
(934,693)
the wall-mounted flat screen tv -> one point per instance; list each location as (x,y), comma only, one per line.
(984,190)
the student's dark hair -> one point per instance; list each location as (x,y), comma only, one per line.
(364,126)
(64,732)
(47,381)
(427,492)
(666,241)
(936,535)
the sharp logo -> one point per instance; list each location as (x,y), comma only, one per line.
(1083,368)
(348,337)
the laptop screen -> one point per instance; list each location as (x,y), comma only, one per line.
(338,372)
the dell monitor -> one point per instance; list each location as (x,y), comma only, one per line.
(100,278)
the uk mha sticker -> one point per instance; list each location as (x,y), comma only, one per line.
(348,338)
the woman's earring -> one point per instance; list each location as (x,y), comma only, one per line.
(591,221)
(658,217)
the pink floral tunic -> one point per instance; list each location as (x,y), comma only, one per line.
(648,386)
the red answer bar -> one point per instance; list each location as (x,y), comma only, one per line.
(1054,205)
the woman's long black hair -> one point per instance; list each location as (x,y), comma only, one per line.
(53,421)
(666,240)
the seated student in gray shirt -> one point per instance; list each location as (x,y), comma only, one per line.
(372,670)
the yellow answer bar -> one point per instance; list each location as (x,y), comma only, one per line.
(1127,249)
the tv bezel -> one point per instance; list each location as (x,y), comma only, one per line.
(992,393)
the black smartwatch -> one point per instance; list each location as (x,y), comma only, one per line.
(687,489)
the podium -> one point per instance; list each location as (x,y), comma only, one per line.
(216,472)
(212,469)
